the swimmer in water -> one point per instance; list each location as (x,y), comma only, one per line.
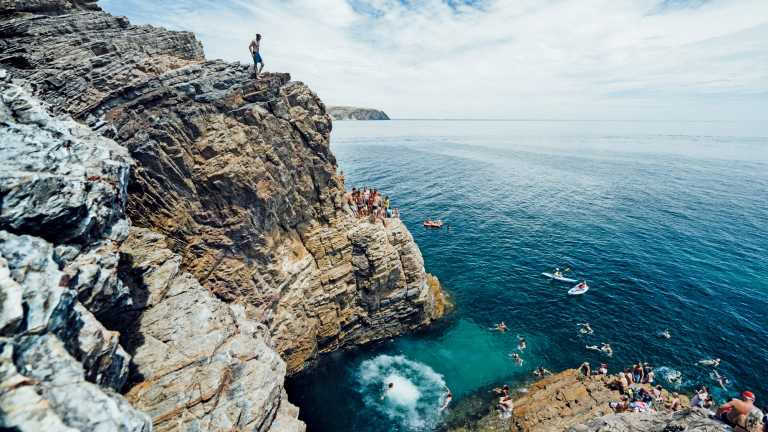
(584,328)
(710,362)
(675,377)
(501,327)
(606,348)
(387,390)
(540,371)
(665,334)
(592,347)
(721,380)
(447,400)
(516,357)
(521,345)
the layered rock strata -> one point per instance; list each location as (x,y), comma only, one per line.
(236,172)
(62,194)
(355,113)
(243,263)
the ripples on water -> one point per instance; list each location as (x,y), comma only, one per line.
(670,230)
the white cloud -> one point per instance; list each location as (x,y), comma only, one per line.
(528,58)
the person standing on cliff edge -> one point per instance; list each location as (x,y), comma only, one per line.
(254,49)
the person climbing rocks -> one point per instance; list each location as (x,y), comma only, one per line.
(254,49)
(742,413)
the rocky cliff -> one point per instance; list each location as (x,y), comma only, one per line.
(570,402)
(355,113)
(243,262)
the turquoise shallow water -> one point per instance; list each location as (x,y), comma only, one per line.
(668,223)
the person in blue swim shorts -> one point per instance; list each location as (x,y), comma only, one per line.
(257,60)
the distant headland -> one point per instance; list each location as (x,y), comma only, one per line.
(356,113)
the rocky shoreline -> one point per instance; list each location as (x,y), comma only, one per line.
(173,235)
(568,401)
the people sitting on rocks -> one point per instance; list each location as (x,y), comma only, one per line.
(368,202)
(742,414)
(505,406)
(603,369)
(674,403)
(621,383)
(540,371)
(699,397)
(620,406)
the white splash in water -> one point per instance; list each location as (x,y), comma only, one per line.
(415,396)
(673,377)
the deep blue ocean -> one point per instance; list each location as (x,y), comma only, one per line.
(668,223)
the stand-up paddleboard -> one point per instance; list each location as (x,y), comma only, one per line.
(559,278)
(579,289)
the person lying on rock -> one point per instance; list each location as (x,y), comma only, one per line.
(254,49)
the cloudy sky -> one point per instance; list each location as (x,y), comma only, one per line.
(544,59)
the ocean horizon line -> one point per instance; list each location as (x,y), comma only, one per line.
(560,120)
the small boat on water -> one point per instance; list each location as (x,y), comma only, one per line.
(559,277)
(579,288)
(433,223)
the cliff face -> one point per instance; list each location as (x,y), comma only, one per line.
(241,242)
(355,113)
(62,193)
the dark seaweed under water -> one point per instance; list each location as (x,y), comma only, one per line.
(667,222)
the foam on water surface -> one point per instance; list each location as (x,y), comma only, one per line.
(414,399)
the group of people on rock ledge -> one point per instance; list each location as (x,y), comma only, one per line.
(368,202)
(639,394)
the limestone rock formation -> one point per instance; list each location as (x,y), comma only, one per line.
(200,364)
(355,113)
(236,172)
(62,190)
